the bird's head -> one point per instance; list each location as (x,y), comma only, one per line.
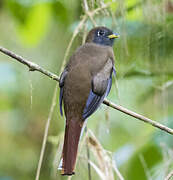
(102,36)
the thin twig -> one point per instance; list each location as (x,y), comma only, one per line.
(106,102)
(76,31)
(88,157)
(138,116)
(99,172)
(145,167)
(103,158)
(90,15)
(46,132)
(117,170)
(85,5)
(101,8)
(32,66)
(169,176)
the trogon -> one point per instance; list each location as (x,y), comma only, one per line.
(84,83)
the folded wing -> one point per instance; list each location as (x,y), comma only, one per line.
(101,85)
(61,85)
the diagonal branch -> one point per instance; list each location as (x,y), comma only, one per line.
(32,66)
(35,67)
(138,116)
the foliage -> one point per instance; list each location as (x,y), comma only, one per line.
(41,31)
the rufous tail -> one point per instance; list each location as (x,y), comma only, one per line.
(71,141)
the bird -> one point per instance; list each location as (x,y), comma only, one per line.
(84,83)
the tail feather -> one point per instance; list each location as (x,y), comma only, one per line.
(71,141)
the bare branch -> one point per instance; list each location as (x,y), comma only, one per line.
(32,66)
(138,116)
(106,102)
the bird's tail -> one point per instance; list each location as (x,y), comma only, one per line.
(71,141)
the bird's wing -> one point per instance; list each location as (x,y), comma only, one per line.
(61,85)
(101,85)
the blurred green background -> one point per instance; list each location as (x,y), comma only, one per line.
(40,30)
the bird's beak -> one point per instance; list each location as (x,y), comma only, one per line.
(113,36)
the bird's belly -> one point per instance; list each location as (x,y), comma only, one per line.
(76,91)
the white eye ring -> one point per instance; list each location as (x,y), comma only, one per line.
(100,33)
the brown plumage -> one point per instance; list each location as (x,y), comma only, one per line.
(84,83)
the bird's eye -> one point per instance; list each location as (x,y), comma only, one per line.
(100,33)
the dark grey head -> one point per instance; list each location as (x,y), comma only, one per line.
(102,36)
